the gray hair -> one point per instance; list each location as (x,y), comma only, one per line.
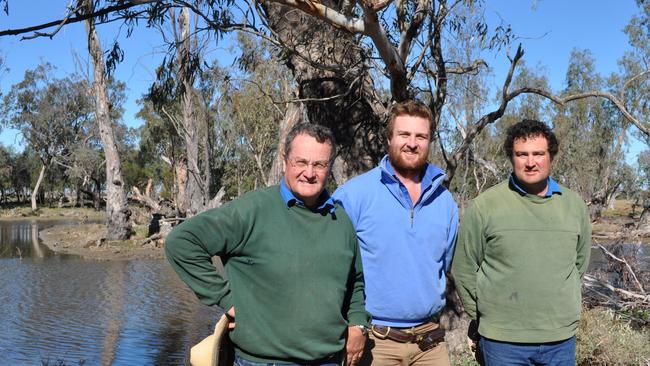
(321,133)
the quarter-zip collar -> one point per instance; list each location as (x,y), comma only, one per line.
(432,178)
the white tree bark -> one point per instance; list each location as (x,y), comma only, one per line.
(36,188)
(117,211)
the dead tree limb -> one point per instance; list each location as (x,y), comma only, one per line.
(627,265)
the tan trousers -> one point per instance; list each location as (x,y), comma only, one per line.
(385,352)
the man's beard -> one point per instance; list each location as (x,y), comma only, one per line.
(404,167)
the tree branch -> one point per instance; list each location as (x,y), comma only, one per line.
(69,20)
(318,10)
(411,31)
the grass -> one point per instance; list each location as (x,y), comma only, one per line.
(463,359)
(604,339)
(622,208)
(21,212)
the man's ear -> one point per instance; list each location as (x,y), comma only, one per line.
(284,163)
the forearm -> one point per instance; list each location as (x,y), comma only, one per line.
(191,246)
(357,313)
(192,262)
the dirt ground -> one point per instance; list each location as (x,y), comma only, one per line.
(87,240)
(86,237)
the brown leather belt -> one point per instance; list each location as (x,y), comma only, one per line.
(397,335)
(425,340)
(383,332)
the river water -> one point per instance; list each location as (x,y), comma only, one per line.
(61,309)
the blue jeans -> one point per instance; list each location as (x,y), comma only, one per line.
(496,353)
(242,362)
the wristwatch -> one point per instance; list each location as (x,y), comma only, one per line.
(364,329)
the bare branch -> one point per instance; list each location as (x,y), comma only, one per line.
(69,20)
(420,58)
(590,281)
(333,17)
(376,5)
(388,53)
(412,29)
(145,199)
(644,127)
(467,69)
(627,265)
(477,127)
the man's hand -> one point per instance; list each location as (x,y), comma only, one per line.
(471,344)
(472,340)
(231,316)
(354,345)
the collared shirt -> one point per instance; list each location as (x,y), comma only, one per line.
(327,203)
(429,176)
(552,185)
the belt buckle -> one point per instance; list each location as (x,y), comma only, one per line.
(379,335)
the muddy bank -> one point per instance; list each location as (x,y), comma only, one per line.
(87,241)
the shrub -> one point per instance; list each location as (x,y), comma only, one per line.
(605,340)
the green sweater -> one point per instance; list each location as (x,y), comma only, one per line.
(293,275)
(519,261)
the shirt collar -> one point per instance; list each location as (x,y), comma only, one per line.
(553,186)
(327,203)
(431,172)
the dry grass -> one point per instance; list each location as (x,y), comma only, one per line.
(604,340)
(622,208)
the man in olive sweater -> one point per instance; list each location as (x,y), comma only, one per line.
(294,287)
(523,247)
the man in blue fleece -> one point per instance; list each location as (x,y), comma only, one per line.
(406,223)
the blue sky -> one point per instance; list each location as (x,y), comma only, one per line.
(549,30)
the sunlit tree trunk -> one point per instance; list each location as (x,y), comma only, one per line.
(36,188)
(117,211)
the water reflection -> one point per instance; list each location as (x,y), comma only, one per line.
(102,313)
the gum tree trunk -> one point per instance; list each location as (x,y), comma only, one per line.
(117,211)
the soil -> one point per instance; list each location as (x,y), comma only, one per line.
(87,241)
(86,238)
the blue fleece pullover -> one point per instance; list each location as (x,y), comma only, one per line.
(405,249)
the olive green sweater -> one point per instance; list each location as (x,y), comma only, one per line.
(519,261)
(293,275)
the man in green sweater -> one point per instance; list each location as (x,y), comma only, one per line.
(523,247)
(294,286)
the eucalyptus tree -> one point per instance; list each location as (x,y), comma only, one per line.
(254,105)
(51,114)
(6,164)
(117,212)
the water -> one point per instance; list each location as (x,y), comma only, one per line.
(56,307)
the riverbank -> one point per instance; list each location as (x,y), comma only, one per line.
(85,234)
(46,213)
(87,241)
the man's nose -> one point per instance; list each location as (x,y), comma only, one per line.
(530,160)
(310,172)
(410,142)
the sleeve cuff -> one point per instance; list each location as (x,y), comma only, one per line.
(359,318)
(226,302)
